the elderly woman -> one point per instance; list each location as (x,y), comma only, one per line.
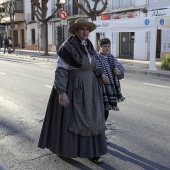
(74,124)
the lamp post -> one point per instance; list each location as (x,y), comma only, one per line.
(10,9)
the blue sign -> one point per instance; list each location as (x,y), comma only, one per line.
(161,21)
(147,21)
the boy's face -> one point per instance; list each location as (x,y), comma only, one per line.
(105,49)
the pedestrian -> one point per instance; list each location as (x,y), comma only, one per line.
(74,123)
(114,70)
(10,45)
(6,43)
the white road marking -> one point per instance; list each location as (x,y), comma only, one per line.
(2,73)
(48,86)
(43,66)
(156,85)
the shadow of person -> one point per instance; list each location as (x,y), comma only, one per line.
(77,164)
(126,155)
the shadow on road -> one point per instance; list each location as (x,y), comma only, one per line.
(120,152)
(81,166)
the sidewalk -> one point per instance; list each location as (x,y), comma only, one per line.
(131,66)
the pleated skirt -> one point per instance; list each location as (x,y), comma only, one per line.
(58,139)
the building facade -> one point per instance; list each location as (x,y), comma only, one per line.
(125,43)
(16,12)
(28,32)
(161,8)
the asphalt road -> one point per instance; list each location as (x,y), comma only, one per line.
(139,134)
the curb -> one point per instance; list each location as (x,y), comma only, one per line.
(31,57)
(127,70)
(147,72)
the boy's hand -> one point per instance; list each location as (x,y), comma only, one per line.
(105,79)
(116,71)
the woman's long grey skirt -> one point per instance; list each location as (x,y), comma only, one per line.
(57,138)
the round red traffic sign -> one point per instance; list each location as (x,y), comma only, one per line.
(63,14)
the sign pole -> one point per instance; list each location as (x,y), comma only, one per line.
(38,35)
(39,41)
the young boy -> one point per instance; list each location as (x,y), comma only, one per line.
(114,70)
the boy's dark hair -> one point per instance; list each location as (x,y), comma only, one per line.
(103,41)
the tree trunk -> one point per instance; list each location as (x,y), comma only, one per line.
(12,34)
(45,40)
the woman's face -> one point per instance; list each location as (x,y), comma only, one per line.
(105,49)
(82,32)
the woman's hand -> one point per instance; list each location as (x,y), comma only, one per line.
(63,100)
(105,79)
(116,71)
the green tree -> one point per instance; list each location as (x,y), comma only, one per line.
(92,13)
(40,11)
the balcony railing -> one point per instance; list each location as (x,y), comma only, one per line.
(122,3)
(71,10)
(18,8)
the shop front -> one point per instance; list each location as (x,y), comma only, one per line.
(141,33)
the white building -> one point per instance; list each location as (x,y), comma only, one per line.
(34,29)
(126,43)
(161,8)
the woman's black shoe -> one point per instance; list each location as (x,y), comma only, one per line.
(97,159)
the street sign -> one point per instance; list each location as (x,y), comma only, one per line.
(63,22)
(63,14)
(38,24)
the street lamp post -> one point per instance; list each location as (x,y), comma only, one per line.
(10,9)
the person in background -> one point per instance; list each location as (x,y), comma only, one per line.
(74,123)
(114,70)
(6,43)
(10,45)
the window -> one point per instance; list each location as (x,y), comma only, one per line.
(122,3)
(19,6)
(33,36)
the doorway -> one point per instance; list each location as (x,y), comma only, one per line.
(22,39)
(158,44)
(15,38)
(126,45)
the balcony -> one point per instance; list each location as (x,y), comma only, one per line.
(6,11)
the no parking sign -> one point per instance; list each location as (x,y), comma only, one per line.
(63,14)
